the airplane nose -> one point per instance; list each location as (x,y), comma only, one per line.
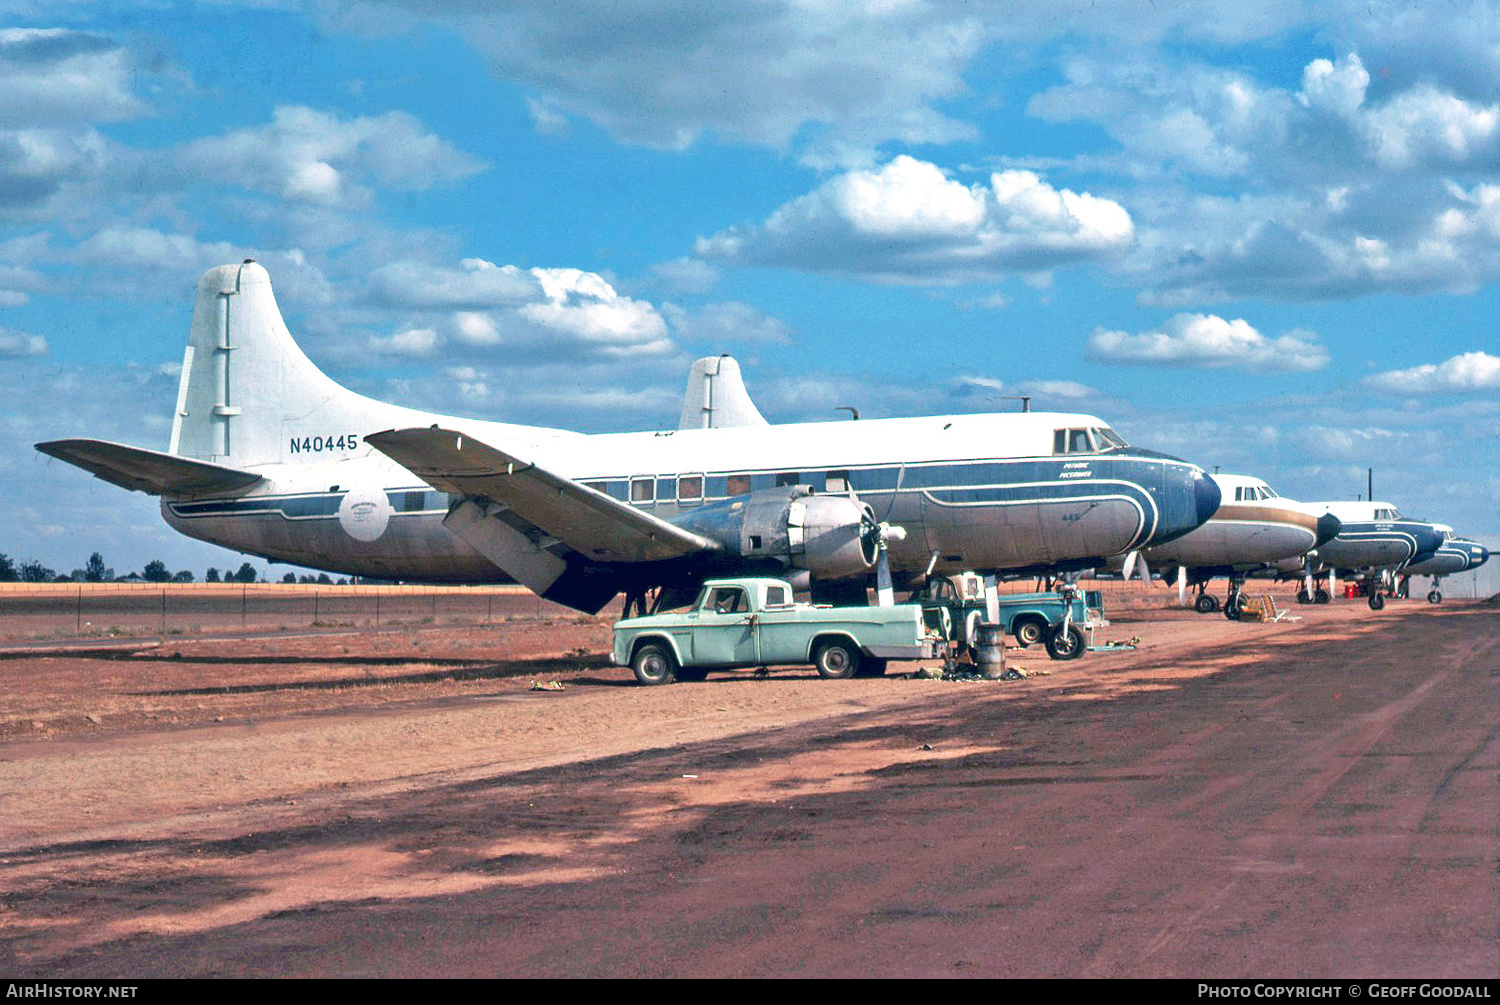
(1206,497)
(1477,560)
(1328,529)
(1429,540)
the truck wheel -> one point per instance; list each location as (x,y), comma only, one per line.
(1066,645)
(654,664)
(1028,632)
(836,660)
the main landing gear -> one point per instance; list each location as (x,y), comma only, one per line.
(1206,603)
(1236,599)
(1318,595)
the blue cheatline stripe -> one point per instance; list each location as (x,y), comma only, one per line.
(312,506)
(945,480)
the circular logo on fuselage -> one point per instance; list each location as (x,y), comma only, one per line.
(364,513)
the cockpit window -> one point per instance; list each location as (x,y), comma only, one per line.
(1109,438)
(1073,441)
(1086,441)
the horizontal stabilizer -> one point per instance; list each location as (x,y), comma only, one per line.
(598,527)
(148,471)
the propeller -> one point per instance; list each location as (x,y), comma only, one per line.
(885,533)
(1134,560)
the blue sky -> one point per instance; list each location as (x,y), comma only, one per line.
(1259,236)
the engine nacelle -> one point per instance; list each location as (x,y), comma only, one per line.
(829,536)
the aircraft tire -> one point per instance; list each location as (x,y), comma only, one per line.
(1377,600)
(1066,645)
(1303,597)
(1232,609)
(1435,597)
(1321,597)
(1028,632)
(838,660)
(654,664)
(1206,603)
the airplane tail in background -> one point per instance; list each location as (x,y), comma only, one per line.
(716,397)
(250,396)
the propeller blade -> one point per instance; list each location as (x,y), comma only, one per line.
(885,592)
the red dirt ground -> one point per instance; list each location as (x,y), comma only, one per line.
(1307,798)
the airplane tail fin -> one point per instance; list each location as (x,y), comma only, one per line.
(716,397)
(250,396)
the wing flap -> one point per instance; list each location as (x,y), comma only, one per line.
(598,527)
(148,471)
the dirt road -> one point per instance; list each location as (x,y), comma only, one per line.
(1310,798)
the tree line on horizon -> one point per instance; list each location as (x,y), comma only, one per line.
(154,571)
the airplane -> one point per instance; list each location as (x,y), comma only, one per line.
(1454,555)
(1374,542)
(271,457)
(1252,529)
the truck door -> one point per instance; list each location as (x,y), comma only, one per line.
(725,632)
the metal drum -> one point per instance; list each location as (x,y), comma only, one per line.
(989,649)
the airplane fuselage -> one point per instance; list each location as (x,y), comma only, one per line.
(945,479)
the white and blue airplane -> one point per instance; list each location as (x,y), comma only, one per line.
(271,457)
(1454,555)
(1374,543)
(1253,529)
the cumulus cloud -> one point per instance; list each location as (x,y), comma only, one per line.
(35,164)
(728,322)
(1204,340)
(833,80)
(1337,88)
(475,285)
(145,247)
(417,342)
(482,307)
(55,76)
(1471,371)
(18,345)
(1407,235)
(307,156)
(909,223)
(1428,126)
(582,306)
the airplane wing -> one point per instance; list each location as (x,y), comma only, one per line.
(148,471)
(597,526)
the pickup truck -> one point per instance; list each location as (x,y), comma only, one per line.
(753,622)
(954,606)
